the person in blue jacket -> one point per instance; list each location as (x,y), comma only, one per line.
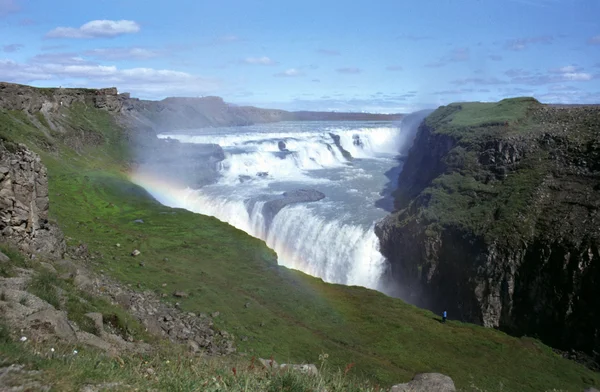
(444,314)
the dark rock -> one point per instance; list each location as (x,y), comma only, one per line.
(336,141)
(272,207)
(282,147)
(519,247)
(24,203)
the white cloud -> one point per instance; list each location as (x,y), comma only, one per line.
(123,53)
(520,44)
(581,76)
(349,70)
(96,29)
(454,56)
(259,60)
(147,82)
(292,72)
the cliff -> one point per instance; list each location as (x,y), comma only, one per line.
(24,204)
(497,220)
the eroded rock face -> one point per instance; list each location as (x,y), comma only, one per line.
(520,248)
(24,204)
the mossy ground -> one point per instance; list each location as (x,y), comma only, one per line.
(291,316)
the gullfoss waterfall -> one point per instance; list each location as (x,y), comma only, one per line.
(312,191)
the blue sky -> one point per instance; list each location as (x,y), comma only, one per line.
(378,55)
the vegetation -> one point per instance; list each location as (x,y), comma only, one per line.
(482,190)
(289,315)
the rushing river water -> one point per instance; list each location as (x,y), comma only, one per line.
(332,238)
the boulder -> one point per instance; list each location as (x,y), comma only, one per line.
(309,369)
(180,294)
(135,253)
(268,363)
(427,382)
(272,207)
(49,322)
(4,258)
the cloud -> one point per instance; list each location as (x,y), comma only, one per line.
(393,68)
(142,81)
(516,72)
(349,70)
(328,52)
(568,73)
(454,92)
(566,69)
(290,73)
(454,56)
(495,57)
(8,7)
(259,61)
(524,43)
(316,80)
(594,40)
(132,53)
(58,58)
(10,48)
(479,81)
(96,29)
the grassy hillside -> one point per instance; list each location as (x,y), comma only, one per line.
(271,310)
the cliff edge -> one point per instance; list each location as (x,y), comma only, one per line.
(497,220)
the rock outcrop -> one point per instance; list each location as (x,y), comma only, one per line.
(24,203)
(426,382)
(272,207)
(33,100)
(498,221)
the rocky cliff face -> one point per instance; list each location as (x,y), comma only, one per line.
(498,220)
(24,204)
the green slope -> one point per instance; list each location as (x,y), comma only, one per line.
(292,316)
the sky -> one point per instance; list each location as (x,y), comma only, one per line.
(384,56)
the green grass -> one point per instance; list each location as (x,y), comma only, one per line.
(292,316)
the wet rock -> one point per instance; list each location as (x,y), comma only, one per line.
(427,382)
(272,207)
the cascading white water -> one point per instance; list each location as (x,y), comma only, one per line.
(332,238)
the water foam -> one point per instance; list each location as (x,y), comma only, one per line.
(324,238)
